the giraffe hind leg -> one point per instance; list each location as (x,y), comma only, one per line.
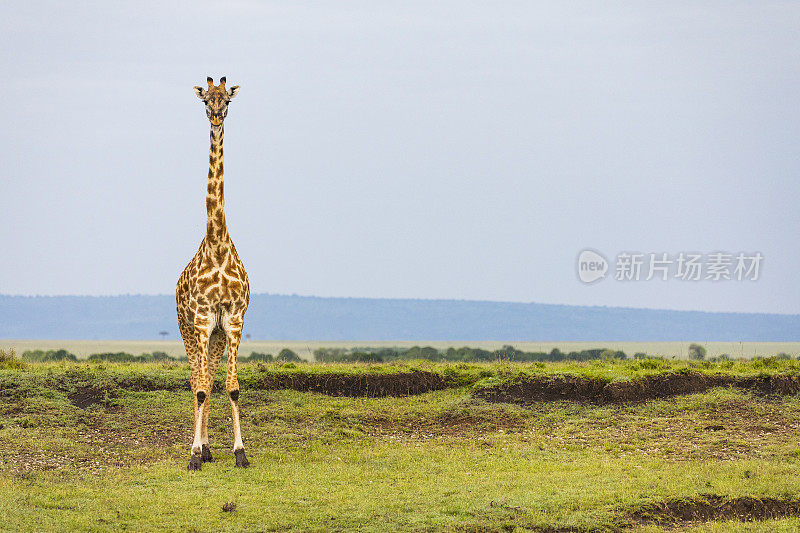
(234,334)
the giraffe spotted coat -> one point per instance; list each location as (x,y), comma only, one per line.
(213,293)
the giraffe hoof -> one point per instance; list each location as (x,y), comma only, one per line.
(196,462)
(206,454)
(241,460)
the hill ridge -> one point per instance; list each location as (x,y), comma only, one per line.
(276,316)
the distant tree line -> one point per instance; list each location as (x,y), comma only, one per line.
(696,352)
(44,356)
(463,354)
(123,357)
(285,355)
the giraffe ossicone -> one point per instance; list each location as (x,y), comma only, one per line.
(213,293)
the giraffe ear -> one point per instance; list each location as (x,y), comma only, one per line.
(233,91)
(200,92)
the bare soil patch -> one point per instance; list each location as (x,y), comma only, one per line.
(24,463)
(718,508)
(445,425)
(90,395)
(592,390)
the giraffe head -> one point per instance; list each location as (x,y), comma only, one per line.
(216,99)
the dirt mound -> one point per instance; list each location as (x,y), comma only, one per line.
(333,384)
(544,389)
(85,390)
(368,385)
(712,507)
(565,387)
(89,395)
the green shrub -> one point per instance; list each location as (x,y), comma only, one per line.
(8,359)
(255,356)
(162,356)
(766,362)
(365,357)
(329,355)
(697,352)
(651,364)
(607,355)
(288,355)
(119,357)
(425,352)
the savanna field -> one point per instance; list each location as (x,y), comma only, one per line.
(608,445)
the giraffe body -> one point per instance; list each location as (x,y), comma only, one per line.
(212,294)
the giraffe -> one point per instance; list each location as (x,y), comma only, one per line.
(213,293)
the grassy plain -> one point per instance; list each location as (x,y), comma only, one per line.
(104,447)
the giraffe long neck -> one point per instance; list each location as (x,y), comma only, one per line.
(216,229)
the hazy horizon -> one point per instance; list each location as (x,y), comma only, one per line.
(279,317)
(441,151)
(400,298)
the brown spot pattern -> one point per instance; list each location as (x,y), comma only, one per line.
(213,292)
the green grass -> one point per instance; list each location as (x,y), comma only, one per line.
(439,461)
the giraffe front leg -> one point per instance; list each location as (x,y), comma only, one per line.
(232,386)
(196,459)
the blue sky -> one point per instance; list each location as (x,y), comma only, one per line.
(425,150)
